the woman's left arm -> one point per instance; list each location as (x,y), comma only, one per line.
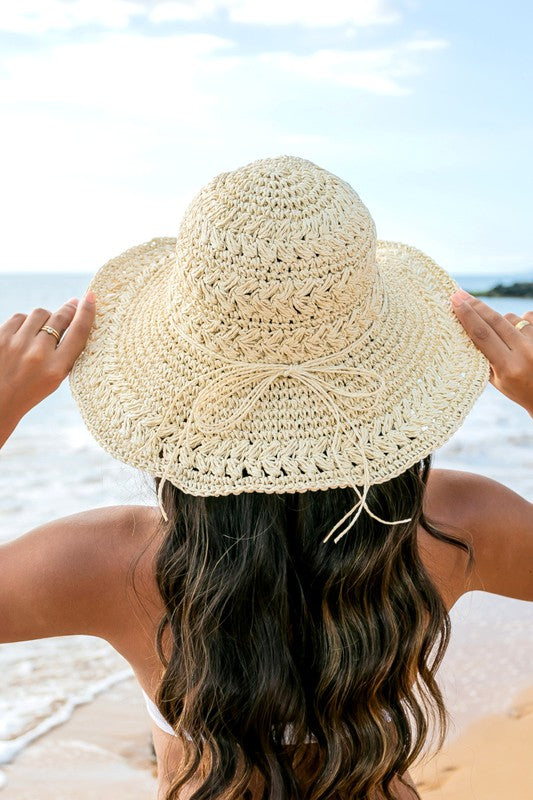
(32,363)
(56,579)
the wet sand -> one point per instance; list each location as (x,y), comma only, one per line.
(490,760)
(103,753)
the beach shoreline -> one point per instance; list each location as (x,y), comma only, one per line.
(104,751)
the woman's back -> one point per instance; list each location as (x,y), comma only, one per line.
(107,559)
(476,508)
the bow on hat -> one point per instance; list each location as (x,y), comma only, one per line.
(234,376)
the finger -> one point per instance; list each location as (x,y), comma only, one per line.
(482,334)
(33,322)
(78,332)
(60,320)
(12,325)
(505,330)
(514,319)
(527,329)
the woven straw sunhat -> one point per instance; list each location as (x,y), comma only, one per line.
(275,345)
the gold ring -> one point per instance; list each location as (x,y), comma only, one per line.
(522,324)
(51,331)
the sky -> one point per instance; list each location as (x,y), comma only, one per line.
(114,113)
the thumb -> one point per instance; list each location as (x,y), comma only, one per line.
(78,332)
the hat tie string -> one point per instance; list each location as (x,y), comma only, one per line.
(225,381)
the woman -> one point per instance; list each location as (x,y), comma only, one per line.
(281,374)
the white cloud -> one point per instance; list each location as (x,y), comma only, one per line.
(280,12)
(380,71)
(181,77)
(182,11)
(96,137)
(40,16)
(310,13)
(128,75)
(105,140)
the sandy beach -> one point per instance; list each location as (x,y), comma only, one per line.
(103,752)
(491,759)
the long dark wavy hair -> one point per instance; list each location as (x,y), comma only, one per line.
(304,668)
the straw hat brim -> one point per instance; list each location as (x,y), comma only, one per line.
(127,379)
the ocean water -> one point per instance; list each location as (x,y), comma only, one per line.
(482,282)
(51,467)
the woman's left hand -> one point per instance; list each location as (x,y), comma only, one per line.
(32,363)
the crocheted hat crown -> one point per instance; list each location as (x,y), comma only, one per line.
(276,258)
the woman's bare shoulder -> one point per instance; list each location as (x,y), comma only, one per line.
(66,576)
(495,520)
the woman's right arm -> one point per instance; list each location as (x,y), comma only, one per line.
(499,520)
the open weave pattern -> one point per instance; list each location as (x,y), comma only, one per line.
(275,346)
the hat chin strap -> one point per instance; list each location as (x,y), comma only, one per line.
(228,380)
(359,507)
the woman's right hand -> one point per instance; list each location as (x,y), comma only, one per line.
(510,351)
